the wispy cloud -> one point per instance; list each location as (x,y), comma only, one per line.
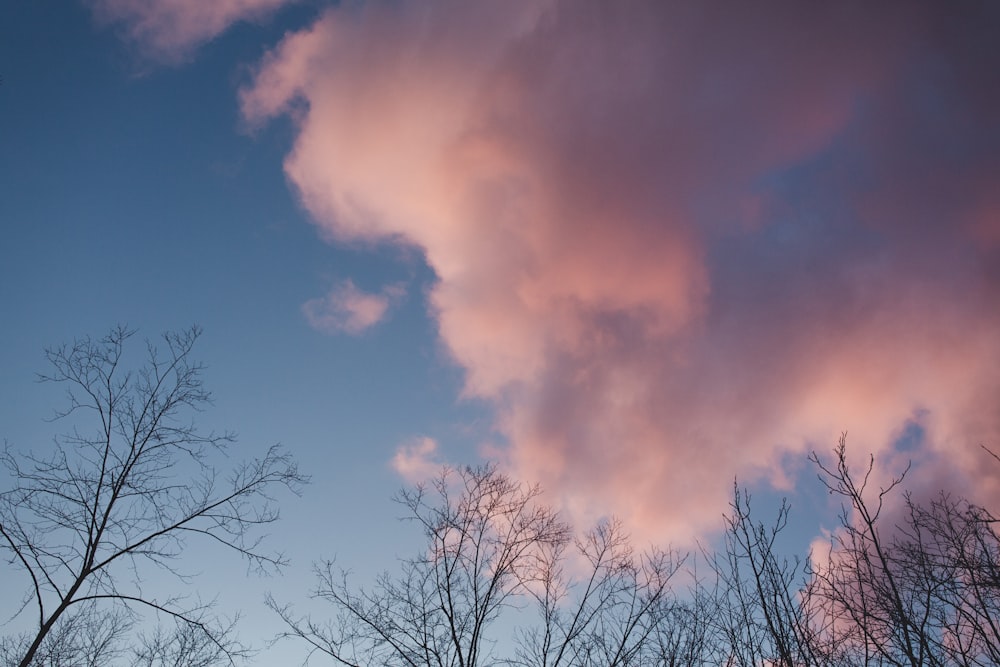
(170,30)
(417,460)
(675,241)
(346,309)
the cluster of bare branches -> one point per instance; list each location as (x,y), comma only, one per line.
(501,580)
(919,589)
(129,485)
(492,547)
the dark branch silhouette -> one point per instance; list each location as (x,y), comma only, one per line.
(127,486)
(492,547)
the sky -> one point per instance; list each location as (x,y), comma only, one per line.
(628,250)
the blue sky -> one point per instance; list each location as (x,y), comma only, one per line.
(131,195)
(631,251)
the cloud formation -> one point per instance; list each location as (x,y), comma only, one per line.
(676,242)
(417,461)
(170,30)
(346,309)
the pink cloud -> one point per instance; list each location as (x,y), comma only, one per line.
(673,242)
(417,460)
(169,30)
(346,309)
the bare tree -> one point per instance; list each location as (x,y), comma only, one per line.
(482,531)
(919,588)
(878,596)
(949,553)
(764,612)
(493,549)
(127,487)
(611,614)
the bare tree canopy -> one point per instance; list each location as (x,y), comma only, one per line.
(128,486)
(502,580)
(492,547)
(903,582)
(921,588)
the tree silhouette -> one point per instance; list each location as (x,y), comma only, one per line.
(902,583)
(492,547)
(128,486)
(764,612)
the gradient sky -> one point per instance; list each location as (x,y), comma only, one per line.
(629,250)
